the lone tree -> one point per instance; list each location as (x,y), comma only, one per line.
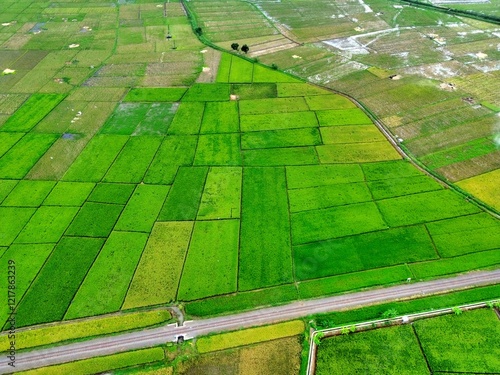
(245,48)
(235,46)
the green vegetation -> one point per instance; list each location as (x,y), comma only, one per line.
(220,117)
(214,245)
(95,160)
(184,196)
(159,271)
(106,283)
(87,328)
(141,211)
(445,339)
(31,112)
(28,193)
(249,336)
(430,345)
(134,159)
(155,94)
(397,351)
(188,118)
(95,220)
(222,194)
(47,225)
(264,211)
(100,364)
(64,271)
(69,194)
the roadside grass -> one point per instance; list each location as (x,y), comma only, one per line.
(158,273)
(106,283)
(242,301)
(100,364)
(249,336)
(74,330)
(363,252)
(214,245)
(64,271)
(353,281)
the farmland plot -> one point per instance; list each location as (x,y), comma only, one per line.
(253,190)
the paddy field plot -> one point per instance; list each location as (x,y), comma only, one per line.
(256,189)
(430,345)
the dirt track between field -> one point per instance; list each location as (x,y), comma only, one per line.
(156,336)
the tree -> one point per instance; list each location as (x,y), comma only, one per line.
(198,31)
(344,330)
(235,46)
(457,310)
(245,48)
(389,314)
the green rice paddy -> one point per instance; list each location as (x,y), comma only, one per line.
(251,190)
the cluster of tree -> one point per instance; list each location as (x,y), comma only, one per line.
(244,47)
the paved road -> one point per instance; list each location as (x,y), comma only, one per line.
(190,329)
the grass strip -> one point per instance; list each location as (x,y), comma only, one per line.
(249,336)
(65,331)
(242,301)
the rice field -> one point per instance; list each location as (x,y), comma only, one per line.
(255,189)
